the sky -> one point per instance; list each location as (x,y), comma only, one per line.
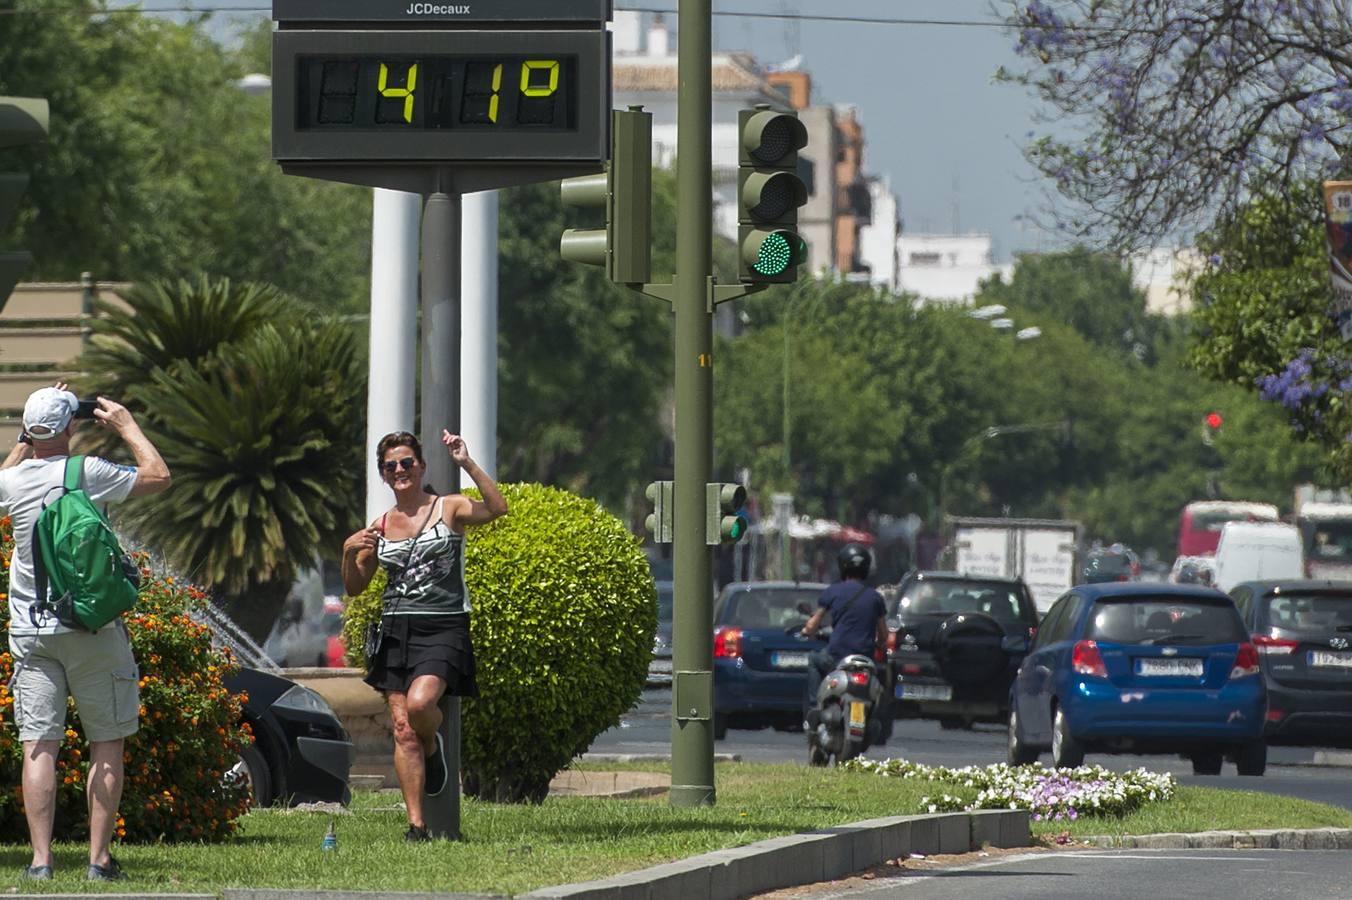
(934,121)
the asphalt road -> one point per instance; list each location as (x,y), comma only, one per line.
(1112,875)
(1291,770)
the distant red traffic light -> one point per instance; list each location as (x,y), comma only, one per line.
(1214,421)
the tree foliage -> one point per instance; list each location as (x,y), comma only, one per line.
(584,364)
(155,168)
(1162,113)
(257,410)
(890,403)
(1265,321)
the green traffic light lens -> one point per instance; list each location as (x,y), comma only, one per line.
(775,255)
(738,528)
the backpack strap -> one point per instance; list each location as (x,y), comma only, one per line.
(74,473)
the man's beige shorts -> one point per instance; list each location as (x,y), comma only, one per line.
(97,669)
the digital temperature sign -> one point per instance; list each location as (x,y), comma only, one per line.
(437,92)
(460,98)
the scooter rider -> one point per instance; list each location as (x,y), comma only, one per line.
(858,620)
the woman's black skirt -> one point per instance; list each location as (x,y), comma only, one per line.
(411,646)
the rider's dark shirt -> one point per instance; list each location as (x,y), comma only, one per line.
(854,617)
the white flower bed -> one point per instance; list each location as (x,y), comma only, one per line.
(1050,794)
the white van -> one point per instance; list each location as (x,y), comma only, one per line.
(1253,551)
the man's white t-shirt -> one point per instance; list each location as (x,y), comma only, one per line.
(23,490)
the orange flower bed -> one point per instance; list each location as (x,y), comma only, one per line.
(190,733)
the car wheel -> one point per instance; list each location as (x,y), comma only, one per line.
(1252,758)
(720,726)
(1067,753)
(1019,753)
(1207,762)
(252,769)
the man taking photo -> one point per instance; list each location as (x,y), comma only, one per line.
(52,661)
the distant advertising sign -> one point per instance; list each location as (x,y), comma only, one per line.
(1338,224)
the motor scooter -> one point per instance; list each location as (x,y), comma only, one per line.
(846,719)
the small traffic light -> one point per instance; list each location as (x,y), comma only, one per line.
(624,193)
(23,120)
(724,519)
(1211,426)
(769,193)
(659,523)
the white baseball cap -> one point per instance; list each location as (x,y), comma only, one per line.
(48,412)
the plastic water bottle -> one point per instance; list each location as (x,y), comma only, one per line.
(330,839)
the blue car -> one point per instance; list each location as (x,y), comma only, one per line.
(760,665)
(1141,668)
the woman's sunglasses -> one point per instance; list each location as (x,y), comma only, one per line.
(406,463)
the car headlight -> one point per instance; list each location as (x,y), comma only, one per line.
(302,699)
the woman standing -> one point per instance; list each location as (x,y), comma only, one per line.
(421,649)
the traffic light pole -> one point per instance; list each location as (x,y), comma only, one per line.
(692,695)
(440,408)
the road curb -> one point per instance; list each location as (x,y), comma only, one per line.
(1257,839)
(649,757)
(807,858)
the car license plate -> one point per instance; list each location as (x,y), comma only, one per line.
(788,659)
(1329,659)
(856,714)
(1175,668)
(907,691)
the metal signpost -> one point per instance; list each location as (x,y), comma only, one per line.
(441,99)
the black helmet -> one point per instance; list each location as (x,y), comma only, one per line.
(853,560)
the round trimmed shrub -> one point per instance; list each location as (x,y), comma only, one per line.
(190,728)
(564,611)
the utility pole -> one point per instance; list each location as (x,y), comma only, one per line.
(692,731)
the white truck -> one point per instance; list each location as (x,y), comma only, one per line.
(1040,551)
(1324,518)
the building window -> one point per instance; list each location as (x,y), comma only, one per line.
(925,259)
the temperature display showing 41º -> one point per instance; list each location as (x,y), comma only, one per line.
(431,92)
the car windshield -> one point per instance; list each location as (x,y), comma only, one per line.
(1329,541)
(1159,620)
(664,601)
(1002,602)
(1214,520)
(769,607)
(1308,612)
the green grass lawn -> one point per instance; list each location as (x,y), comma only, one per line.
(512,849)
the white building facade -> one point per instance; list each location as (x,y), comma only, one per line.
(946,268)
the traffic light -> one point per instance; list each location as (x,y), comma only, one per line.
(769,192)
(624,193)
(1211,426)
(724,519)
(659,520)
(23,120)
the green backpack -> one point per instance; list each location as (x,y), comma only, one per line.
(92,581)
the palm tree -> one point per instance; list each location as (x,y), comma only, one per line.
(259,414)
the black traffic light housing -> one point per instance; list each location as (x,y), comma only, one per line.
(769,193)
(23,120)
(624,192)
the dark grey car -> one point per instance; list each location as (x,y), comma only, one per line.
(1303,633)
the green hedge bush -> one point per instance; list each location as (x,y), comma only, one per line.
(564,614)
(190,729)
